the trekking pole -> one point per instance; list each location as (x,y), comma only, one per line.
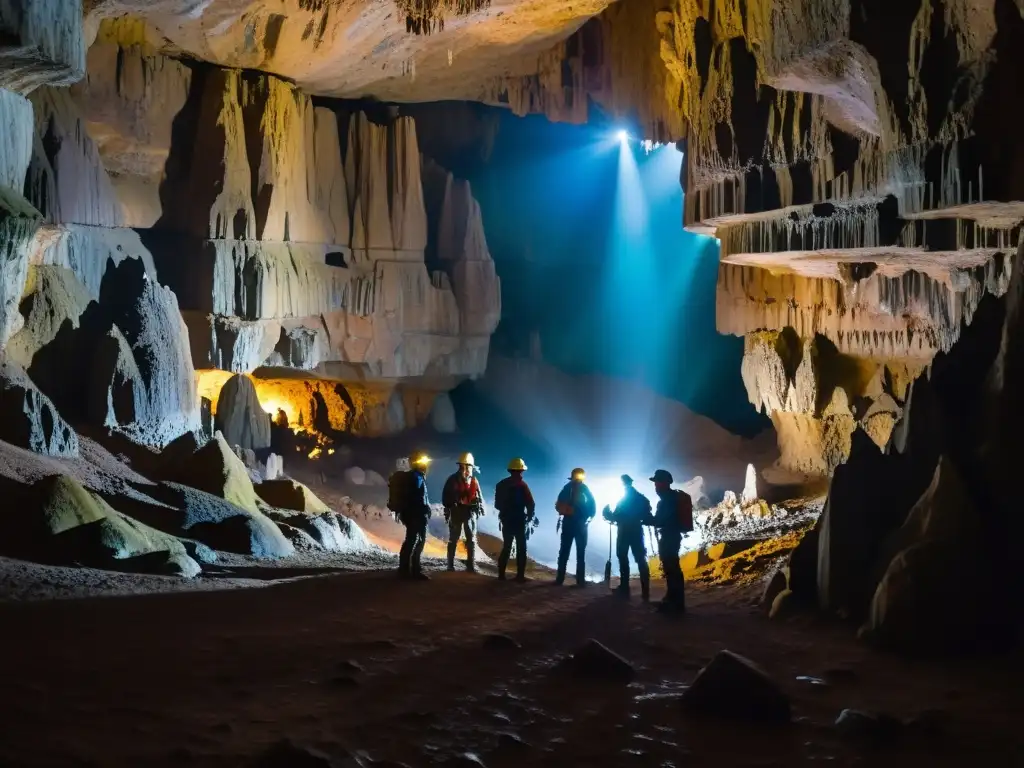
(608,564)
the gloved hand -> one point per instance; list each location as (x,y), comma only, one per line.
(447,517)
(606,513)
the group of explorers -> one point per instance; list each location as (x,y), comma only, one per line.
(462,500)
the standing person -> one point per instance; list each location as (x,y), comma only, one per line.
(673,518)
(463,504)
(407,498)
(514,502)
(631,514)
(576,508)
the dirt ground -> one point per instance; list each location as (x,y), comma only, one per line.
(354,662)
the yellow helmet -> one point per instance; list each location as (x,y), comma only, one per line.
(517,465)
(419,459)
(467,459)
(578,474)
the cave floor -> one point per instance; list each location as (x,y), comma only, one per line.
(214,678)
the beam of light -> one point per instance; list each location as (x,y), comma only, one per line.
(607,490)
(638,287)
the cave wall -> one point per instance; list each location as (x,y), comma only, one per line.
(852,159)
(170,218)
(859,163)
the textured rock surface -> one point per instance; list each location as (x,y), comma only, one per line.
(239,417)
(42,43)
(854,198)
(52,296)
(732,686)
(290,494)
(355,50)
(817,396)
(921,602)
(66,179)
(15,144)
(150,356)
(216,470)
(65,522)
(29,419)
(129,99)
(213,520)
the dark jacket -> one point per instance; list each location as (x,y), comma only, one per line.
(666,518)
(633,512)
(457,493)
(513,499)
(582,501)
(417,501)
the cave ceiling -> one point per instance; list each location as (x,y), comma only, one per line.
(356,48)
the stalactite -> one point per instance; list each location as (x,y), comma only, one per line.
(424,17)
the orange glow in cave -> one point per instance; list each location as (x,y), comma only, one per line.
(293,397)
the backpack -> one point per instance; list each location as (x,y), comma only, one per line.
(684,511)
(398,491)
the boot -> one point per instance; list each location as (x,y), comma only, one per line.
(621,591)
(501,576)
(471,557)
(645,590)
(521,578)
(451,555)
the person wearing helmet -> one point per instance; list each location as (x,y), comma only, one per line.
(630,516)
(576,508)
(675,508)
(463,504)
(407,497)
(514,502)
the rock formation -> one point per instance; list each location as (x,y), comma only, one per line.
(854,160)
(353,50)
(167,226)
(186,207)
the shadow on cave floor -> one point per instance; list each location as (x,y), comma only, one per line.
(268,574)
(366,662)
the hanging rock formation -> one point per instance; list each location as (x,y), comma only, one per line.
(853,162)
(352,50)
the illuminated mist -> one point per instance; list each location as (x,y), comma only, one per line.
(586,229)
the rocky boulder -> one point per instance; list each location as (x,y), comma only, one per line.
(930,598)
(132,348)
(239,417)
(27,417)
(63,522)
(732,686)
(191,513)
(869,497)
(323,530)
(216,469)
(354,476)
(302,516)
(594,660)
(167,403)
(53,296)
(290,494)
